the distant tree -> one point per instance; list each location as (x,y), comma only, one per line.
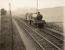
(3,11)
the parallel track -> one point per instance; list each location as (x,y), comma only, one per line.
(54,37)
(43,40)
(57,35)
(49,35)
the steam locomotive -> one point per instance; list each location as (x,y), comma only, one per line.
(35,19)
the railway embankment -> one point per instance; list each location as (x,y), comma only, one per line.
(9,37)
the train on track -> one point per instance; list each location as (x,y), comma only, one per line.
(35,19)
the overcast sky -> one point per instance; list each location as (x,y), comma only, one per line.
(30,3)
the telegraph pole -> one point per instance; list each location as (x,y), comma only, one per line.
(37,5)
(10,9)
(11,24)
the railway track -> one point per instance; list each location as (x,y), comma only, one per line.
(52,32)
(54,37)
(44,40)
(49,35)
(58,35)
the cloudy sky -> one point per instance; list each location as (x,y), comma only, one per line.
(30,3)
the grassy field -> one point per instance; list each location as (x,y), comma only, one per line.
(6,40)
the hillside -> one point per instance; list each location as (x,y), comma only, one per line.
(50,14)
(53,14)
